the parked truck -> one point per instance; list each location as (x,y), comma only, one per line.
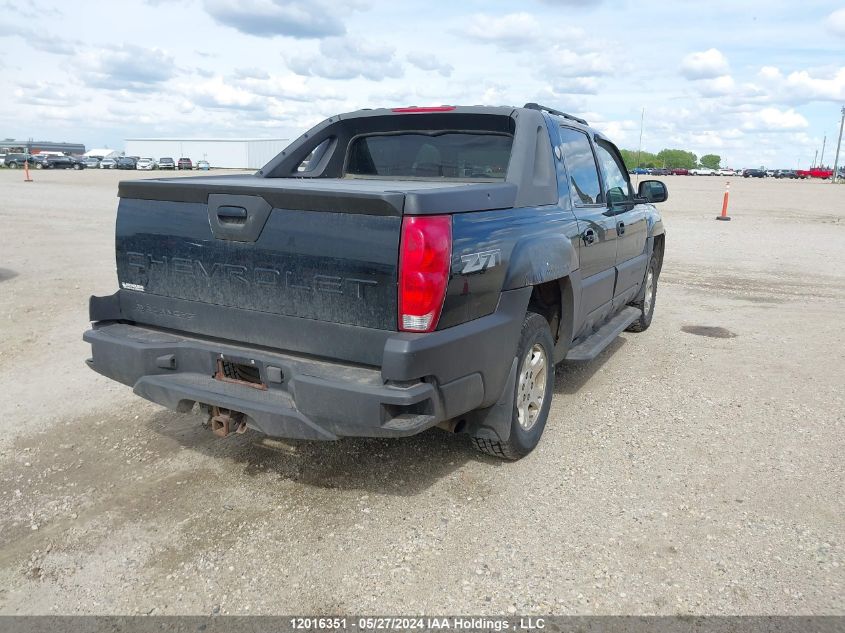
(815,172)
(390,271)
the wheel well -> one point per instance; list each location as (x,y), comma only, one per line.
(553,299)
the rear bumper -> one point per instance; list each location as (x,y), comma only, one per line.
(424,378)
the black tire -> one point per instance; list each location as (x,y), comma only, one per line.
(39,166)
(649,298)
(12,165)
(77,167)
(527,419)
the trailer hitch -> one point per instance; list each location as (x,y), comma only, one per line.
(224,421)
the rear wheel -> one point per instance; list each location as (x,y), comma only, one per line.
(533,392)
(646,304)
(13,165)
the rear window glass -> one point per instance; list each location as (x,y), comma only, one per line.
(458,155)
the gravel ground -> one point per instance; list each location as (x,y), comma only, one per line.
(693,468)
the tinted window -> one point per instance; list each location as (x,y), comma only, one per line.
(459,155)
(581,166)
(310,162)
(617,188)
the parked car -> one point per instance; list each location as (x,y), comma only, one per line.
(725,171)
(660,171)
(754,173)
(770,173)
(127,162)
(145,164)
(166,163)
(786,173)
(91,162)
(702,171)
(15,161)
(679,171)
(449,306)
(108,163)
(639,171)
(203,165)
(184,163)
(38,160)
(61,162)
(815,172)
(2,159)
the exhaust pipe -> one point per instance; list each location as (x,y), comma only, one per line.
(224,421)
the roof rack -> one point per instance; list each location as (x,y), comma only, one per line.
(542,108)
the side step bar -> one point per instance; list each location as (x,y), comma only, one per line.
(595,343)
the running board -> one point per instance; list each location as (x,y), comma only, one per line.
(595,343)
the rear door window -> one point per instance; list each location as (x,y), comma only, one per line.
(581,166)
(617,187)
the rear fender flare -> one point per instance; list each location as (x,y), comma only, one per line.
(537,260)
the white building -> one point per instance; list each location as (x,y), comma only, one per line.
(102,153)
(249,153)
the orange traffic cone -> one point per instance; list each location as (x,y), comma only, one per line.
(26,176)
(725,215)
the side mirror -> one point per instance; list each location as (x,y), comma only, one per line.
(653,190)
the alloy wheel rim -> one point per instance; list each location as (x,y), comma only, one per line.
(531,390)
(649,291)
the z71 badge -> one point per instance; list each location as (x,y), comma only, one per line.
(478,262)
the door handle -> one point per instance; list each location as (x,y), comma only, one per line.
(620,228)
(589,236)
(233,215)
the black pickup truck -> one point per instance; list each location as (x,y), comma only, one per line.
(390,271)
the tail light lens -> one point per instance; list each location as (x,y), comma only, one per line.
(425,252)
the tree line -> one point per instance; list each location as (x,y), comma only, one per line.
(670,159)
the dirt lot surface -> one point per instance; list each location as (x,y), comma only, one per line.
(693,468)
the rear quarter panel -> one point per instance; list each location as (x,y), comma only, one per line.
(487,245)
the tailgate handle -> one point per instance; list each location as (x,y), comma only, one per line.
(237,218)
(231,214)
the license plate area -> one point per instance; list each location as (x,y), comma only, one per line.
(239,371)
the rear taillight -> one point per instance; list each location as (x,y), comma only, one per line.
(425,252)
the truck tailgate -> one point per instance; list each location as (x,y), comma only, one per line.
(238,251)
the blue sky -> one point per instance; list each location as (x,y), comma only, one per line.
(759,83)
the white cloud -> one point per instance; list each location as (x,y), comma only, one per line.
(426,61)
(509,31)
(717,86)
(577,85)
(704,65)
(836,22)
(128,67)
(774,120)
(290,87)
(574,3)
(217,93)
(564,62)
(231,73)
(41,93)
(348,58)
(801,86)
(268,18)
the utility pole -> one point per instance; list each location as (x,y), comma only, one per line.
(640,148)
(838,145)
(815,156)
(821,160)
